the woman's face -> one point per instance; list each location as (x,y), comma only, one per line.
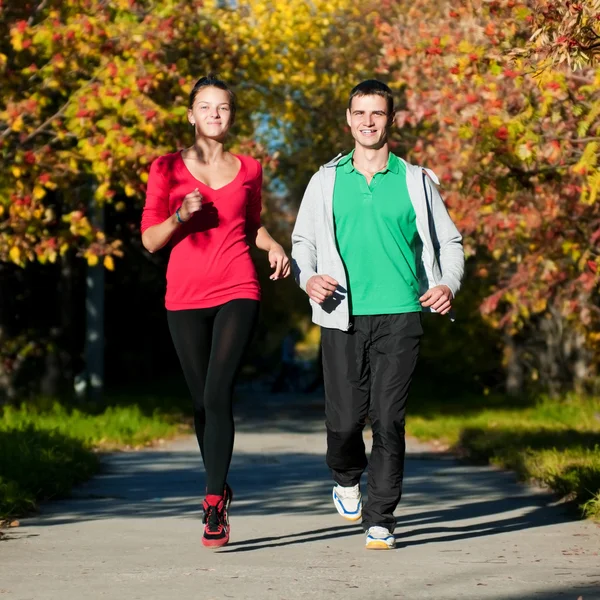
(211,113)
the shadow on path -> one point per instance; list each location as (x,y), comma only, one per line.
(443,500)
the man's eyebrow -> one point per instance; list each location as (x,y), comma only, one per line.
(360,110)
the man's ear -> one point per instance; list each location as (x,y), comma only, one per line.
(392,118)
(348,117)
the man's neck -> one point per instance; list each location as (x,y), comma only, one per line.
(370,159)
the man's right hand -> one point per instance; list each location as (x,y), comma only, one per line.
(320,287)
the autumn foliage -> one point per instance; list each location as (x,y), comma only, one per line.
(500,97)
(491,101)
(92,91)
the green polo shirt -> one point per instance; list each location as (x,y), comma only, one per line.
(376,234)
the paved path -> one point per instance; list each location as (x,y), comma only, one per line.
(464,532)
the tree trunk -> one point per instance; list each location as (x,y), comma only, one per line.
(515,378)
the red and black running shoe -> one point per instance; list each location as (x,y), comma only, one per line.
(227,498)
(216,524)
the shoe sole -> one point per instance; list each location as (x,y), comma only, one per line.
(344,516)
(350,518)
(214,543)
(378,545)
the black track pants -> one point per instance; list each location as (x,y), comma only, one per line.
(367,372)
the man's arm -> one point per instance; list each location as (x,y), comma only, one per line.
(304,242)
(452,256)
(304,249)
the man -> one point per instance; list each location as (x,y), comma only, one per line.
(373,246)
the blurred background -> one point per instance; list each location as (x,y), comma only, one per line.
(500,98)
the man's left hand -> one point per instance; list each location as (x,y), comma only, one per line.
(439,298)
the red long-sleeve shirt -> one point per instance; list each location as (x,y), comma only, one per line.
(210,260)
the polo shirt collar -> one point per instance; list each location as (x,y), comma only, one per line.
(393,163)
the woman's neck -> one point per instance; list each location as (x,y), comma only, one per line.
(206,151)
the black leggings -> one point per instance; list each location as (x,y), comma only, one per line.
(210,344)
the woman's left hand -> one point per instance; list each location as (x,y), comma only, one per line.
(279,261)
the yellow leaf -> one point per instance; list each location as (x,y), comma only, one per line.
(16,172)
(18,124)
(129,190)
(109,263)
(92,260)
(64,248)
(15,254)
(101,191)
(39,192)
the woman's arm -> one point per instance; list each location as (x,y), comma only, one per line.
(157,236)
(277,256)
(263,240)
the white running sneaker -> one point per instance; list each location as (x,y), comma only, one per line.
(348,501)
(379,538)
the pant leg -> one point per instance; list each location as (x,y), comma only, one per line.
(233,328)
(191,332)
(393,355)
(346,381)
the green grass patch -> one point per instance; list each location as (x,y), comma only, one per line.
(46,447)
(37,465)
(553,442)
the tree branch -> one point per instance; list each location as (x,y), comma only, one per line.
(49,120)
(38,9)
(58,114)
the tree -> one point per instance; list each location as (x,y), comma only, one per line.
(513,133)
(94,90)
(563,32)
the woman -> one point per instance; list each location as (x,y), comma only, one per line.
(206,201)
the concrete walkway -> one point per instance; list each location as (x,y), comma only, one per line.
(464,532)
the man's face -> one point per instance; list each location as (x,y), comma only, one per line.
(368,119)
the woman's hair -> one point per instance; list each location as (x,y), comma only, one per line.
(212,81)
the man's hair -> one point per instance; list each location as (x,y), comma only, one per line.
(373,87)
(213,81)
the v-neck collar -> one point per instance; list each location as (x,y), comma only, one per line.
(241,173)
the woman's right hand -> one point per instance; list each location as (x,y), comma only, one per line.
(191,203)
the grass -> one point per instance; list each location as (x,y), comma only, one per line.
(554,442)
(47,447)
